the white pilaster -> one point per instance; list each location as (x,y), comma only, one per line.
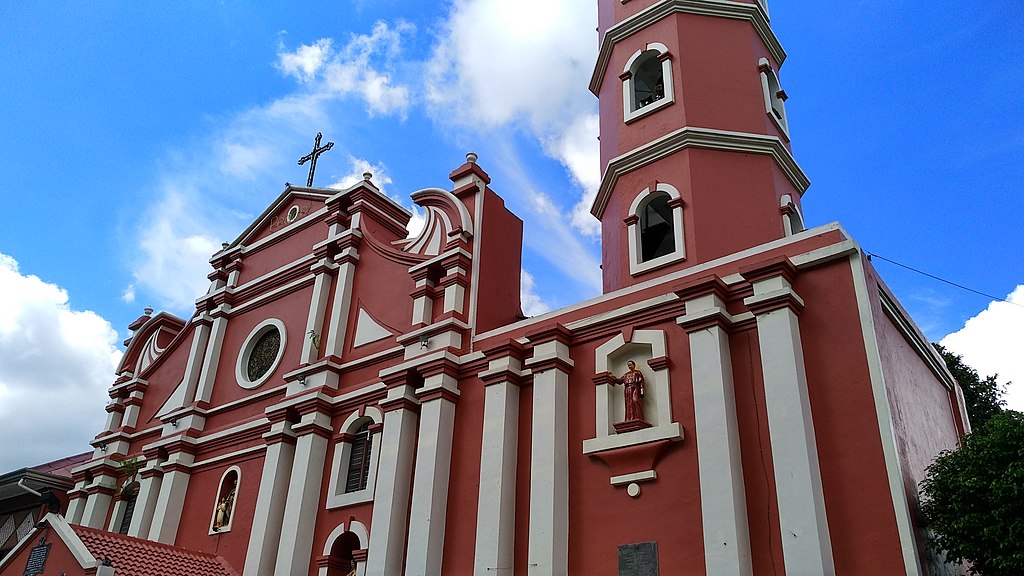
(171,498)
(391,502)
(196,355)
(312,343)
(806,544)
(270,502)
(145,502)
(97,504)
(722,495)
(430,481)
(76,504)
(548,552)
(342,301)
(296,537)
(212,359)
(495,518)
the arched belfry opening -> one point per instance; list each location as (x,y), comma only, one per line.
(657,237)
(648,80)
(342,562)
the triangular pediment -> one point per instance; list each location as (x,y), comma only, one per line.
(291,207)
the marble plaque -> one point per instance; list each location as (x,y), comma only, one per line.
(639,559)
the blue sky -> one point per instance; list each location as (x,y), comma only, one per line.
(138,136)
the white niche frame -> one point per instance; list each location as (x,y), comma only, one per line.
(336,495)
(612,357)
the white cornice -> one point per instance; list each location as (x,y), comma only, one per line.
(706,138)
(751,12)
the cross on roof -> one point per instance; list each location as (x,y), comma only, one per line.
(312,156)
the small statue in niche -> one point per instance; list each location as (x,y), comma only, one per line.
(634,398)
(352,572)
(223,518)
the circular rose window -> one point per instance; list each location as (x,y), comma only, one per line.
(260,354)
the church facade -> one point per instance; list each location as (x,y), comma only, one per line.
(745,397)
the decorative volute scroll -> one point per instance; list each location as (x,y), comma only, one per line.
(446,220)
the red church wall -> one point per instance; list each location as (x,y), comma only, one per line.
(200,505)
(861,516)
(279,219)
(500,262)
(921,406)
(274,255)
(464,483)
(292,310)
(60,560)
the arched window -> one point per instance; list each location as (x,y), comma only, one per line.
(656,237)
(774,96)
(655,229)
(647,81)
(359,459)
(224,505)
(354,464)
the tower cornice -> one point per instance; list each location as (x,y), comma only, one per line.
(706,138)
(723,8)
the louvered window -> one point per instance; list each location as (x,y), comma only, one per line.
(129,509)
(359,460)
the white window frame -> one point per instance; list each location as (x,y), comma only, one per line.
(336,495)
(234,500)
(241,366)
(630,111)
(774,96)
(637,267)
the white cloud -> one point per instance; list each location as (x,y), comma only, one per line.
(991,343)
(305,61)
(53,360)
(128,296)
(500,65)
(530,301)
(365,67)
(379,175)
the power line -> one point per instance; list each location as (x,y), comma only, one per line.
(934,277)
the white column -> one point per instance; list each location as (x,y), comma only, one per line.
(171,498)
(495,517)
(212,358)
(76,503)
(548,552)
(394,471)
(97,504)
(430,480)
(806,544)
(311,350)
(723,502)
(196,354)
(296,537)
(270,502)
(346,260)
(145,502)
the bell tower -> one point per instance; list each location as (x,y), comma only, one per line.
(694,138)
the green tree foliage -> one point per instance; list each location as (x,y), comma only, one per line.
(973,498)
(982,396)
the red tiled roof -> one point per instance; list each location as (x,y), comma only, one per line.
(63,466)
(136,557)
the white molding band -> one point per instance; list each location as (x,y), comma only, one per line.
(703,138)
(723,504)
(753,13)
(806,543)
